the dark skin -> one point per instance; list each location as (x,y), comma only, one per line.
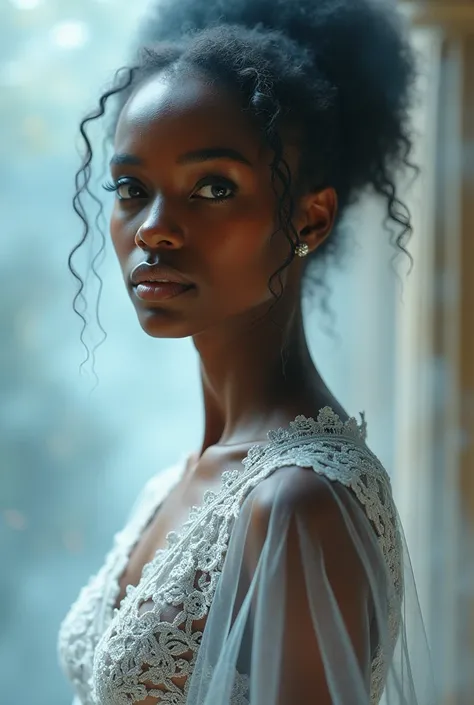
(169,215)
(226,249)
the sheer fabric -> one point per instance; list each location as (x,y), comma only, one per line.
(291,584)
(308,609)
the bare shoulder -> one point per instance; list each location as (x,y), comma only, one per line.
(296,505)
(293,488)
(295,492)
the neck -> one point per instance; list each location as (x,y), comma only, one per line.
(256,376)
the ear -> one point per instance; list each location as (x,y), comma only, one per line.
(316,216)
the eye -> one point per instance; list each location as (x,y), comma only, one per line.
(126,189)
(217,189)
(214,189)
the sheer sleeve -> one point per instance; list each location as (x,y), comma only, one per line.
(307,610)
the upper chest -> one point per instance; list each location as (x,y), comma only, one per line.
(173,511)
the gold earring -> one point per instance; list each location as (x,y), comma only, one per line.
(302,250)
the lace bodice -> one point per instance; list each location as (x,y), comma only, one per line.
(118,657)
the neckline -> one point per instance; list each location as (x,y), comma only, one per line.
(327,424)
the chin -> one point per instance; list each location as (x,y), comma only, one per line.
(161,323)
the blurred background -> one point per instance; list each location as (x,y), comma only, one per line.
(72,461)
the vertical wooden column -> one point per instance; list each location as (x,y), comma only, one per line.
(434,469)
(465,367)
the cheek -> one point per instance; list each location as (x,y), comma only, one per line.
(244,235)
(239,264)
(257,247)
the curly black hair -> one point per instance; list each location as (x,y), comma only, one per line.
(340,71)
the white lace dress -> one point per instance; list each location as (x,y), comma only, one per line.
(240,597)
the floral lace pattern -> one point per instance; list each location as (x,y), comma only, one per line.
(93,610)
(150,645)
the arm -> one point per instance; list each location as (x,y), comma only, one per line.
(293,607)
(324,631)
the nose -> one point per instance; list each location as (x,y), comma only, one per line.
(158,229)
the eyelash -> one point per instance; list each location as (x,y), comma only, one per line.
(211,181)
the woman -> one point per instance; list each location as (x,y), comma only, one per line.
(268,567)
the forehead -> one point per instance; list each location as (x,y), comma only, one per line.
(185,111)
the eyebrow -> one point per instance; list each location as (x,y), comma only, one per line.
(197,155)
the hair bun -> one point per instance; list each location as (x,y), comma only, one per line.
(323,26)
(360,45)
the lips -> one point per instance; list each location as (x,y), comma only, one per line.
(160,291)
(158,274)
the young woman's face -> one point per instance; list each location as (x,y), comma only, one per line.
(194,194)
